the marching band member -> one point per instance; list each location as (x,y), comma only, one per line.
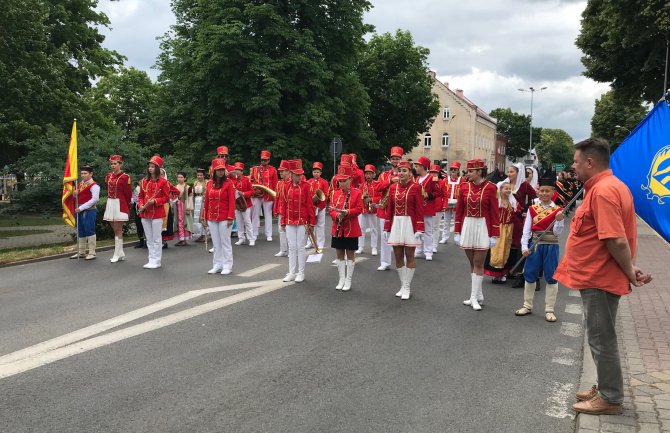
(405,226)
(501,257)
(136,213)
(319,183)
(87,194)
(117,209)
(154,193)
(282,184)
(345,207)
(368,219)
(477,225)
(430,190)
(198,194)
(384,182)
(345,159)
(243,188)
(218,215)
(359,175)
(184,209)
(297,213)
(266,175)
(439,211)
(543,254)
(450,189)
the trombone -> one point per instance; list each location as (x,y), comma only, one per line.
(265,189)
(312,237)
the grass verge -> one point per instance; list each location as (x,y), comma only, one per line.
(29,220)
(15,233)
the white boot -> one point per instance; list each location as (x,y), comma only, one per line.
(467,301)
(91,241)
(341,268)
(401,274)
(350,273)
(122,255)
(118,252)
(409,274)
(474,291)
(479,279)
(81,249)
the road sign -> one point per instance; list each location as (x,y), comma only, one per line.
(558,167)
(336,146)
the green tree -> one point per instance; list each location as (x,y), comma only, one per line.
(625,43)
(555,147)
(615,117)
(50,50)
(125,99)
(395,73)
(516,127)
(254,75)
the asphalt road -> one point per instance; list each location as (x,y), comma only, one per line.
(266,357)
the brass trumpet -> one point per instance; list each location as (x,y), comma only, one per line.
(312,237)
(318,197)
(265,189)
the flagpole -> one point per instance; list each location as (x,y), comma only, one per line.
(76,221)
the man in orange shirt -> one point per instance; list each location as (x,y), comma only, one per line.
(599,261)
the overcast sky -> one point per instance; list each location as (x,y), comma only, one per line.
(489,49)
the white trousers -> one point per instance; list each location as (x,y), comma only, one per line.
(386,249)
(446,228)
(368,221)
(436,227)
(320,229)
(223,247)
(295,236)
(427,236)
(283,242)
(259,203)
(244,229)
(154,240)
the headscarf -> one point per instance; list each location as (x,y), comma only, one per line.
(520,178)
(534,180)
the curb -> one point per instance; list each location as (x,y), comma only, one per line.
(586,422)
(58,256)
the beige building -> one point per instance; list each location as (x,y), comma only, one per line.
(460,132)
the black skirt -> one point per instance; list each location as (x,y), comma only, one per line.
(344,243)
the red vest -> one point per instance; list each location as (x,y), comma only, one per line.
(542,217)
(85,193)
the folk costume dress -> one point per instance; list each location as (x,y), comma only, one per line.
(184,218)
(499,261)
(153,213)
(198,196)
(219,212)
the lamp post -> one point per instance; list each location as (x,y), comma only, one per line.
(532,91)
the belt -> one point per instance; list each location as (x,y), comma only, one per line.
(548,239)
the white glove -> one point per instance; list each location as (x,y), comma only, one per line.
(418,236)
(385,235)
(457,239)
(237,193)
(492,242)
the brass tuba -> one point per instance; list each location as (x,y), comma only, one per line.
(265,189)
(318,197)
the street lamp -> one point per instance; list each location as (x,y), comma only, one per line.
(532,91)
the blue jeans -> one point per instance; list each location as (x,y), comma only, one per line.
(600,310)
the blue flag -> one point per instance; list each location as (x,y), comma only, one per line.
(642,162)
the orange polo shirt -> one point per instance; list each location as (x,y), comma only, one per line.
(607,212)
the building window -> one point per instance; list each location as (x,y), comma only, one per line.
(445,113)
(445,140)
(427,140)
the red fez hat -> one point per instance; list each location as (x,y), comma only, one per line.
(317,165)
(435,168)
(455,164)
(423,161)
(345,159)
(370,167)
(475,164)
(265,154)
(239,166)
(344,172)
(222,150)
(295,166)
(218,164)
(397,151)
(405,164)
(118,158)
(283,165)
(157,160)
(229,167)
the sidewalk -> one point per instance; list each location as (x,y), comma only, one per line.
(643,326)
(60,233)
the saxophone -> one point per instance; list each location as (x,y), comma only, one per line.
(367,200)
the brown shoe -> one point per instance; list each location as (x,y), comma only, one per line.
(200,239)
(180,244)
(587,395)
(598,406)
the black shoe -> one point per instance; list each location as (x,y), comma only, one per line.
(142,244)
(537,287)
(518,283)
(497,281)
(165,245)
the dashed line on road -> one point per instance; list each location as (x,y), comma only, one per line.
(573,308)
(564,356)
(574,293)
(571,329)
(558,400)
(259,270)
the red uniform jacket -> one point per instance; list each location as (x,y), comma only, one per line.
(359,177)
(243,185)
(159,190)
(281,196)
(433,194)
(219,204)
(383,185)
(266,176)
(370,188)
(450,190)
(119,186)
(321,184)
(349,227)
(297,207)
(405,200)
(478,201)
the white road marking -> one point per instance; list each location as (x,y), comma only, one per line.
(97,328)
(26,364)
(557,403)
(259,270)
(574,293)
(573,308)
(571,329)
(564,356)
